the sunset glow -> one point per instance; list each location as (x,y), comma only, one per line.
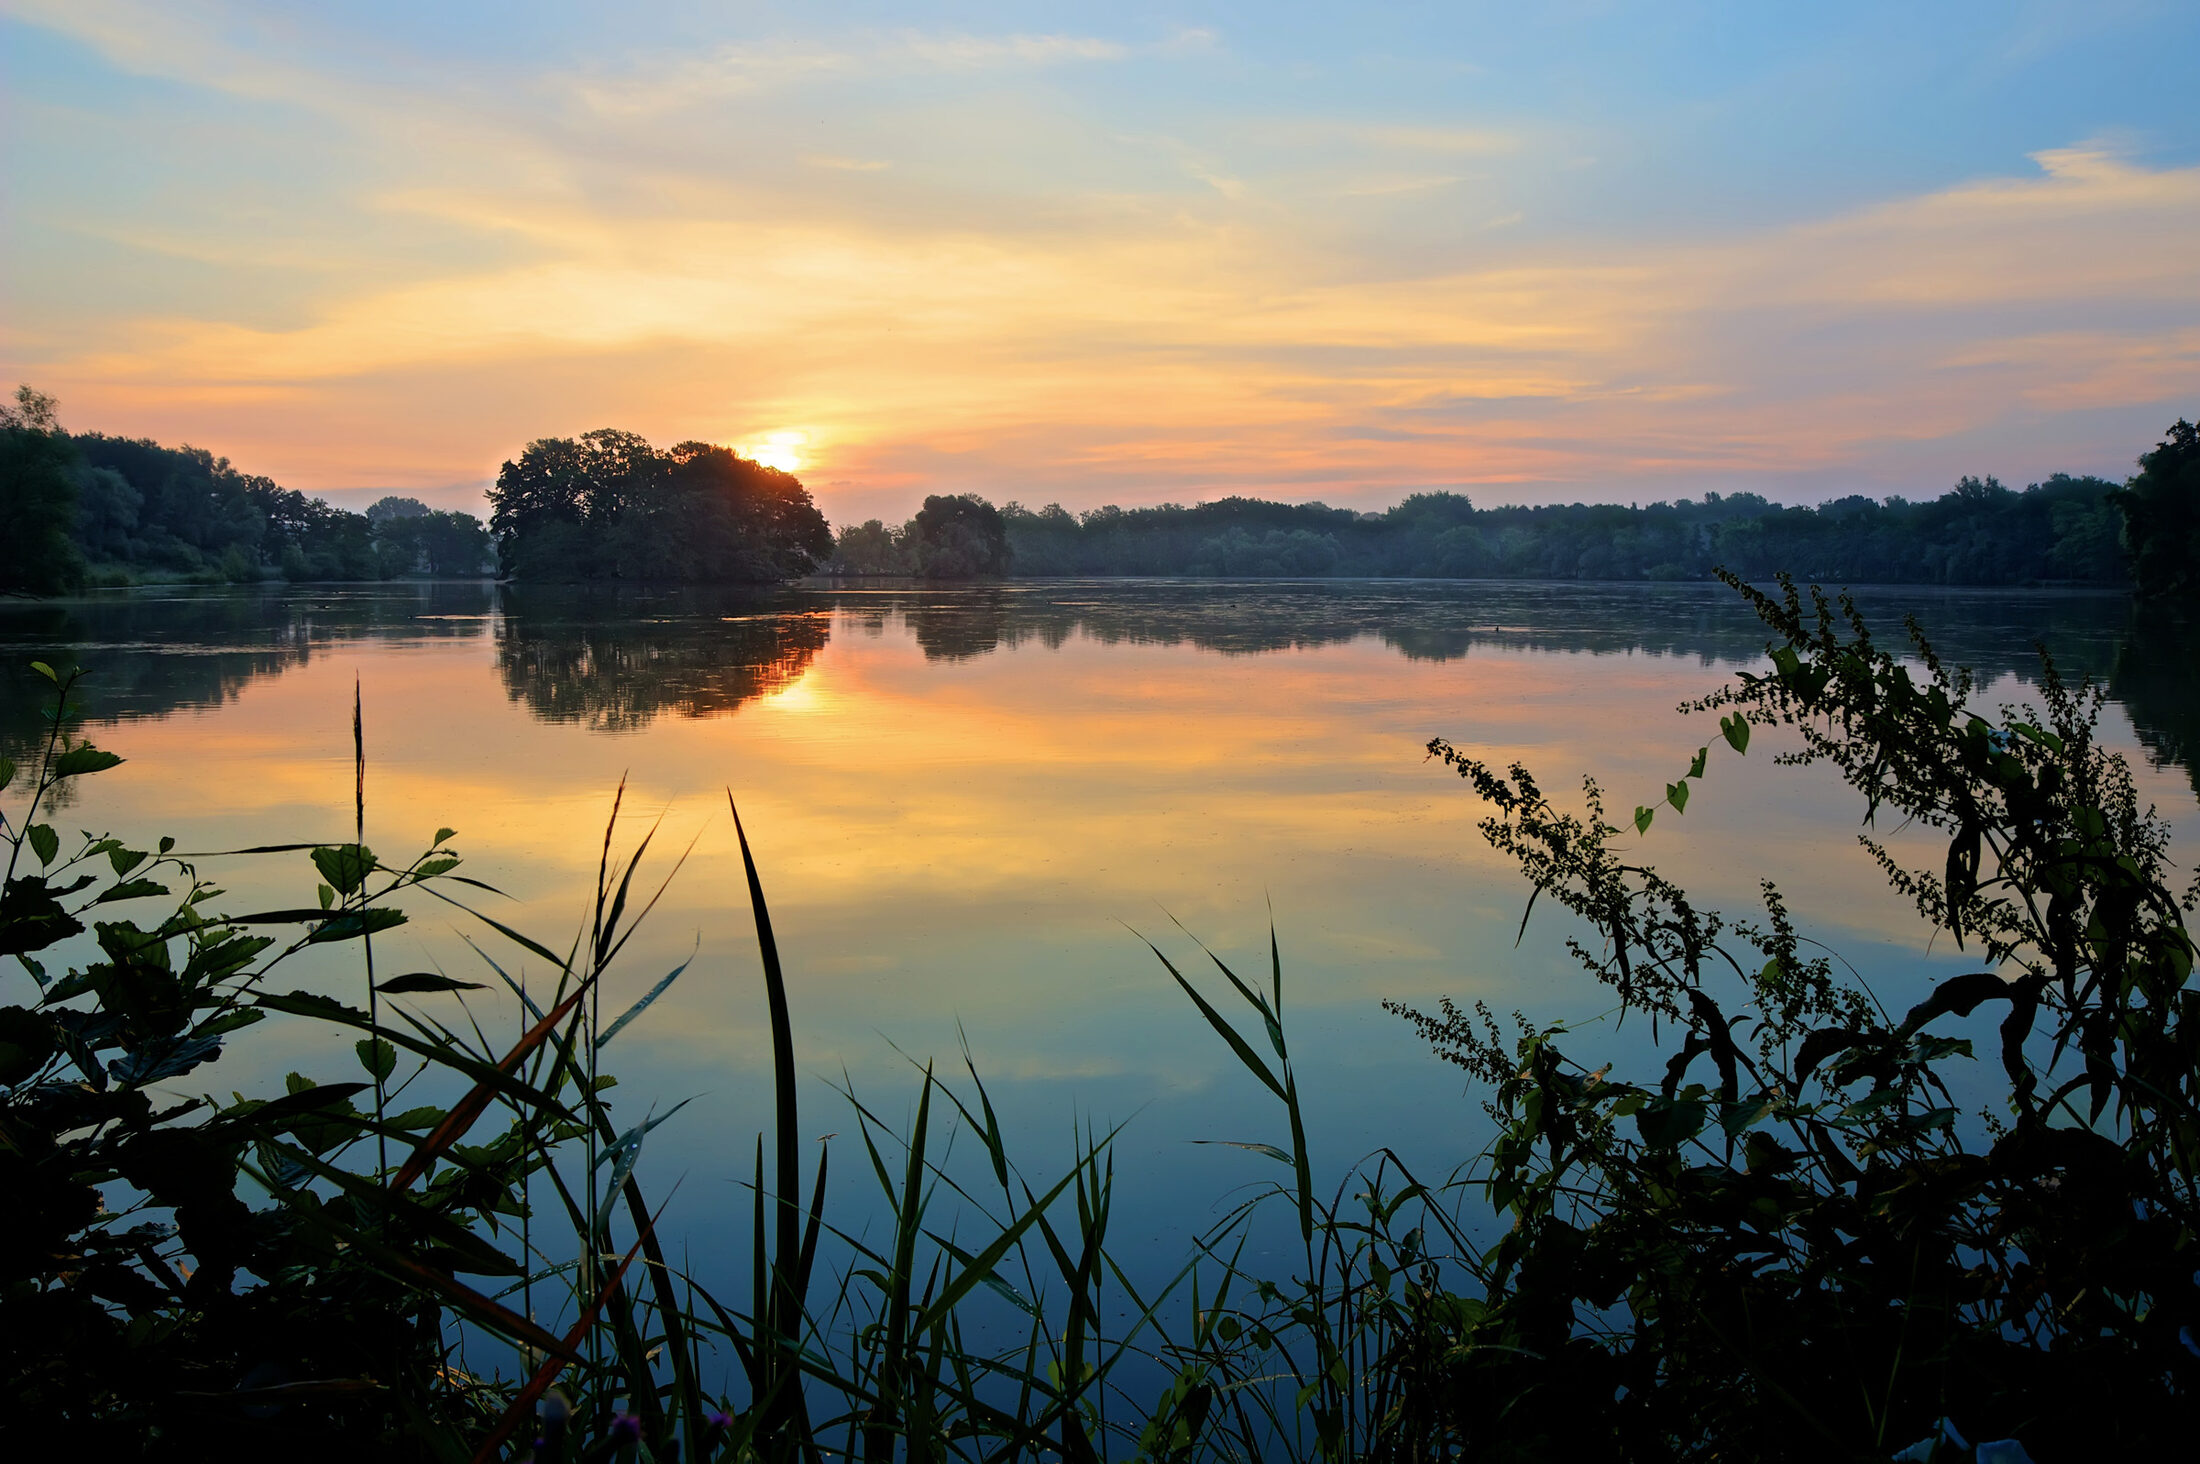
(781,450)
(1102,258)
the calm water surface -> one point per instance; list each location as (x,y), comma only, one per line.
(966,801)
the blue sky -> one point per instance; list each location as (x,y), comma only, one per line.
(1116,254)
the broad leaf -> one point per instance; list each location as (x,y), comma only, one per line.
(83,758)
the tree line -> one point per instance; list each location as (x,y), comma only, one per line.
(86,508)
(2065,530)
(609,506)
(1980,532)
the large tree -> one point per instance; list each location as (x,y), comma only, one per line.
(37,499)
(959,536)
(2161,508)
(609,506)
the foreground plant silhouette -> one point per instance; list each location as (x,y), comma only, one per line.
(1796,1243)
(464,1265)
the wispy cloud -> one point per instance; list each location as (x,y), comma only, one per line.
(1385,187)
(968,51)
(1469,140)
(658,241)
(662,83)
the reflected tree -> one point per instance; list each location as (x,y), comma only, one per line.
(152,653)
(618,673)
(2153,680)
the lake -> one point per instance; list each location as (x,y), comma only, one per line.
(971,805)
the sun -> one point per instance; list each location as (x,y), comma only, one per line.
(781,450)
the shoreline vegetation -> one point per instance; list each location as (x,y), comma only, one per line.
(91,510)
(86,510)
(1794,1243)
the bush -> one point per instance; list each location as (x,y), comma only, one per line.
(1796,1243)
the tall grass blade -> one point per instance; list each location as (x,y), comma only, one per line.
(641,1006)
(786,1305)
(624,1152)
(1221,1024)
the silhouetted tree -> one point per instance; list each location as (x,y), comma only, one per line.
(610,506)
(384,510)
(1979,533)
(2161,509)
(37,499)
(870,548)
(959,536)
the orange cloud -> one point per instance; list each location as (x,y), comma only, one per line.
(945,322)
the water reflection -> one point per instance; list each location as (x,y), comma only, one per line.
(1447,620)
(616,660)
(975,789)
(2153,678)
(616,663)
(148,653)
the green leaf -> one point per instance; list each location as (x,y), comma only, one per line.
(132,889)
(344,866)
(230,1023)
(125,860)
(1668,1122)
(1642,819)
(413,982)
(166,843)
(442,834)
(1736,729)
(1677,795)
(353,926)
(44,670)
(7,771)
(84,758)
(643,1005)
(1267,1151)
(44,841)
(430,868)
(377,1057)
(1737,1118)
(1695,767)
(327,895)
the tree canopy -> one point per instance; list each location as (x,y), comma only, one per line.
(609,506)
(87,506)
(37,499)
(2062,530)
(954,536)
(2161,508)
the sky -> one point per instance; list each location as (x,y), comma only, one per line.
(1114,254)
